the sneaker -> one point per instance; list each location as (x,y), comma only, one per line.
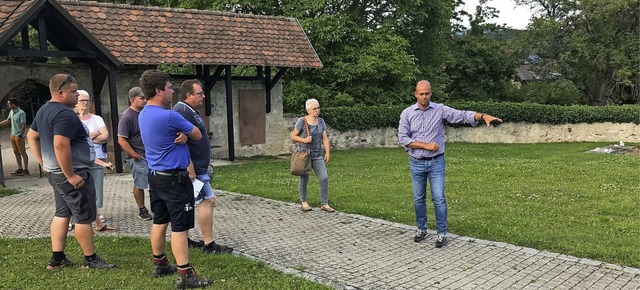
(25,172)
(97,263)
(216,249)
(161,267)
(18,172)
(188,278)
(53,264)
(441,241)
(195,245)
(144,215)
(420,236)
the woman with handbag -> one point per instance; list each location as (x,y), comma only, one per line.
(310,133)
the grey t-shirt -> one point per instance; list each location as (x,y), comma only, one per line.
(129,128)
(57,119)
(316,136)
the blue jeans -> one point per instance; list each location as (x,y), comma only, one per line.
(434,172)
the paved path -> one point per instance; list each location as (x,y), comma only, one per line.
(342,250)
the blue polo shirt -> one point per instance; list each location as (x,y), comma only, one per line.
(159,128)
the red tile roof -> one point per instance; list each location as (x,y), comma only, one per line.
(10,11)
(155,35)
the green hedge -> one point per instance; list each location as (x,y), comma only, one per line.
(368,117)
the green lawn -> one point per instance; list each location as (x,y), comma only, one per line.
(552,196)
(24,267)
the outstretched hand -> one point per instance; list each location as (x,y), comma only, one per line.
(488,119)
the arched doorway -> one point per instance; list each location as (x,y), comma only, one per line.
(31,95)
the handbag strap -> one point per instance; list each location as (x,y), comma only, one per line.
(306,125)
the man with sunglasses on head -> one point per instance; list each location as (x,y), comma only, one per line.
(61,145)
(192,99)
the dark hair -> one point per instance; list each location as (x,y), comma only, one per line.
(14,101)
(151,80)
(187,88)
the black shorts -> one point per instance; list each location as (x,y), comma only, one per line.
(79,203)
(172,201)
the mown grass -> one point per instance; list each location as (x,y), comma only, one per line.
(24,267)
(551,197)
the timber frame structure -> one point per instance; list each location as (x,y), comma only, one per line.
(109,36)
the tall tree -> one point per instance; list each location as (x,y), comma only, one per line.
(593,43)
(482,66)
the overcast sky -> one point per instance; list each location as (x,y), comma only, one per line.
(514,16)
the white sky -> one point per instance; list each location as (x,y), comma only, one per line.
(514,16)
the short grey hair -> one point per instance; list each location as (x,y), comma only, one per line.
(310,102)
(84,93)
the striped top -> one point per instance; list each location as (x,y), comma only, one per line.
(428,126)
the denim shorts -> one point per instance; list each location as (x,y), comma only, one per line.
(79,203)
(139,171)
(206,192)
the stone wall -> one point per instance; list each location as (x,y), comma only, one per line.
(504,133)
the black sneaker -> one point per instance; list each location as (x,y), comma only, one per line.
(195,245)
(216,249)
(25,172)
(420,236)
(161,267)
(53,264)
(441,241)
(97,263)
(18,172)
(188,278)
(144,215)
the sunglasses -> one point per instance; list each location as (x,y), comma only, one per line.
(68,80)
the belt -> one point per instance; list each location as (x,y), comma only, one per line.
(176,172)
(429,158)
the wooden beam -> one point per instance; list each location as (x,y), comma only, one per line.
(113,100)
(229,93)
(25,38)
(38,53)
(42,33)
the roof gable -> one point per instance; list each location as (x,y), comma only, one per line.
(61,27)
(154,35)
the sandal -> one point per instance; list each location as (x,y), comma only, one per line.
(106,228)
(327,208)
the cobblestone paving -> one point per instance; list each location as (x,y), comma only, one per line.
(341,250)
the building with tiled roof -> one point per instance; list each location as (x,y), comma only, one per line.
(112,43)
(154,35)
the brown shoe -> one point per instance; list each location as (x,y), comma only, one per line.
(188,278)
(327,208)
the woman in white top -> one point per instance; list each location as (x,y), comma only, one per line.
(99,136)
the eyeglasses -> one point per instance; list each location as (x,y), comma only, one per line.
(84,101)
(198,93)
(315,109)
(69,79)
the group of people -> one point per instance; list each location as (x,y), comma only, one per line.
(167,150)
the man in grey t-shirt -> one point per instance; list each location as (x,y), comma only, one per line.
(61,145)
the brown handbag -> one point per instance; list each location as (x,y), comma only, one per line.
(301,159)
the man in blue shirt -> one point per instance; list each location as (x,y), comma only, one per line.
(192,99)
(421,133)
(170,188)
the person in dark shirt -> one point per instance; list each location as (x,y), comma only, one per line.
(62,147)
(191,100)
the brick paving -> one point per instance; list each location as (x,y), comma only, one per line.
(345,251)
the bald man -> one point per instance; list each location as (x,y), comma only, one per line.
(421,133)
